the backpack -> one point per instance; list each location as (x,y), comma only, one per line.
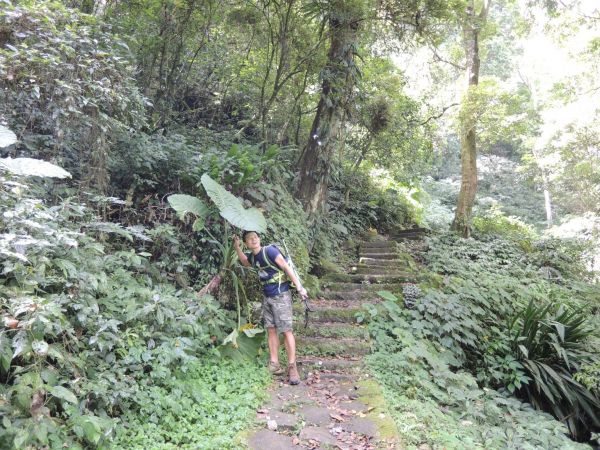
(280,276)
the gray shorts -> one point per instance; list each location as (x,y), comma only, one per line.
(277,311)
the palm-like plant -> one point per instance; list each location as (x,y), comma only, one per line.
(551,342)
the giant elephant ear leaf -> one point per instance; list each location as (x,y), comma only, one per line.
(7,137)
(184,204)
(33,167)
(231,209)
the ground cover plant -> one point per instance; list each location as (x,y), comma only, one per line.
(488,328)
(91,329)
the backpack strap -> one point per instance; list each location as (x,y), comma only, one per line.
(280,276)
(272,264)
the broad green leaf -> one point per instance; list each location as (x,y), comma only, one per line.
(231,209)
(387,295)
(184,204)
(246,348)
(7,137)
(63,393)
(33,167)
(198,224)
(92,429)
(21,438)
(251,332)
(232,338)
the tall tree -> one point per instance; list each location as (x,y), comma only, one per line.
(344,20)
(472,23)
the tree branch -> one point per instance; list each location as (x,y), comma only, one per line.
(429,119)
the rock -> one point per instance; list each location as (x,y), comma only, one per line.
(353,406)
(272,425)
(266,439)
(284,421)
(362,426)
(317,434)
(315,415)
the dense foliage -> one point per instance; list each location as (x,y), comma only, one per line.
(488,311)
(105,341)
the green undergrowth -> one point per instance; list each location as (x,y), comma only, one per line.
(433,403)
(496,343)
(205,405)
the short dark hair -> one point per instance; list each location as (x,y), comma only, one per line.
(247,232)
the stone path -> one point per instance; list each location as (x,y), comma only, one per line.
(337,405)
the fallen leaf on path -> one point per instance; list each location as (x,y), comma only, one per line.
(337,417)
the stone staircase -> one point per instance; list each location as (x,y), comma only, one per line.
(335,388)
(333,332)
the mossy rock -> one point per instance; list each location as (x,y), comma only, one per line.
(401,277)
(332,347)
(326,267)
(346,315)
(370,394)
(335,330)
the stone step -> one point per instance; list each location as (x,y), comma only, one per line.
(399,277)
(341,286)
(361,296)
(375,255)
(378,244)
(408,235)
(380,262)
(333,330)
(401,270)
(345,365)
(332,347)
(378,250)
(418,230)
(329,311)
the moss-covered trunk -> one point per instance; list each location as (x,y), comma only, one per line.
(468,120)
(338,79)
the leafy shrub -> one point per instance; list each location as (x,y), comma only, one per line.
(435,404)
(89,324)
(479,311)
(551,344)
(494,222)
(202,405)
(67,81)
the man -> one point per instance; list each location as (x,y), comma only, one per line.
(277,301)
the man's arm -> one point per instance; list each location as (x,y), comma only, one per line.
(240,254)
(283,265)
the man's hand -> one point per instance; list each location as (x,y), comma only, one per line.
(236,246)
(303,293)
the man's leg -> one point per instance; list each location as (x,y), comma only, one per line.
(273,340)
(283,314)
(290,346)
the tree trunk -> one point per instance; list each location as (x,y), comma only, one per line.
(338,79)
(547,200)
(468,121)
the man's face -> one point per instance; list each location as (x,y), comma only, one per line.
(252,241)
